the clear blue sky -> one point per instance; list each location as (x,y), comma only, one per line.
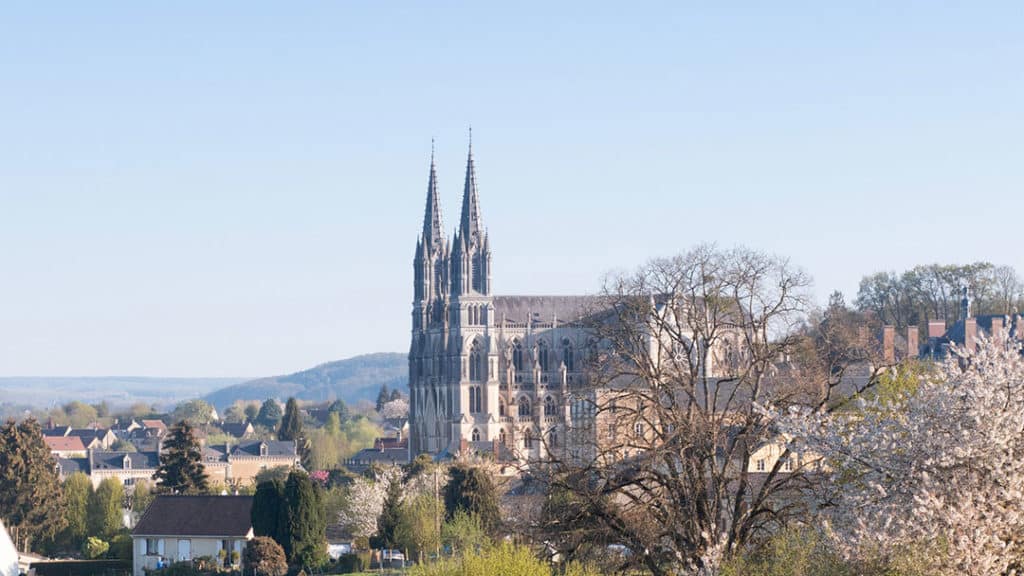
(230,189)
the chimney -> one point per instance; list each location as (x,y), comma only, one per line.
(936,328)
(889,344)
(912,347)
(997,335)
(970,334)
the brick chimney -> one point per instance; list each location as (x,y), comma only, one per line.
(936,328)
(970,334)
(912,347)
(889,344)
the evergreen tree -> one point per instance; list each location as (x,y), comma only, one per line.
(470,489)
(291,424)
(396,394)
(382,397)
(269,513)
(77,489)
(31,499)
(269,414)
(104,509)
(181,469)
(341,409)
(252,412)
(390,518)
(307,525)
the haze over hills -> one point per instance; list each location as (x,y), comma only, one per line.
(352,380)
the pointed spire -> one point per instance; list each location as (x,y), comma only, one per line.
(432,228)
(470,224)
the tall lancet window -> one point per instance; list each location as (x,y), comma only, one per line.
(517,355)
(542,354)
(477,362)
(567,355)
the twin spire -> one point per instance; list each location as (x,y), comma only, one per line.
(471,225)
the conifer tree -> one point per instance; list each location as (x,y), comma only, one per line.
(307,539)
(470,489)
(181,469)
(390,517)
(382,397)
(291,424)
(31,500)
(269,513)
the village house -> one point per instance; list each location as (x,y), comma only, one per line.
(238,464)
(180,528)
(65,446)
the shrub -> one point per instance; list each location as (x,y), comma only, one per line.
(265,557)
(94,547)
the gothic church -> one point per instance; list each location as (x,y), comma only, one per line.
(486,373)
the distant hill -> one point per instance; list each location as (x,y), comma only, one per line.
(47,391)
(351,380)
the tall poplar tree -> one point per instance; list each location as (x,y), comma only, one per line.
(31,499)
(104,509)
(181,469)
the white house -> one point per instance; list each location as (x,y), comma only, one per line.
(8,554)
(180,528)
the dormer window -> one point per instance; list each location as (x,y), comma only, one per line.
(263,449)
(127,463)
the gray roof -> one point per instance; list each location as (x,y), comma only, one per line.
(250,448)
(544,308)
(101,460)
(72,465)
(236,429)
(196,516)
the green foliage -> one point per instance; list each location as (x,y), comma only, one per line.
(463,532)
(120,547)
(291,423)
(252,411)
(31,501)
(77,489)
(470,489)
(122,445)
(306,543)
(418,530)
(341,409)
(792,552)
(501,560)
(269,514)
(80,414)
(353,562)
(181,469)
(142,497)
(269,414)
(271,474)
(265,557)
(329,448)
(104,509)
(94,548)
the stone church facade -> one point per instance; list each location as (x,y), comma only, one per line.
(487,373)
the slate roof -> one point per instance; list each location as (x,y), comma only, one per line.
(57,431)
(228,516)
(64,443)
(274,448)
(115,460)
(236,429)
(367,456)
(984,323)
(72,465)
(544,308)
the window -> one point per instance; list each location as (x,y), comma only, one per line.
(542,354)
(477,368)
(475,437)
(502,437)
(552,438)
(567,355)
(517,355)
(638,429)
(152,547)
(524,406)
(501,407)
(527,439)
(760,465)
(549,406)
(788,465)
(475,400)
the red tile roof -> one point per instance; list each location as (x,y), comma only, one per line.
(64,443)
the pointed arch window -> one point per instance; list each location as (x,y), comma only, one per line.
(553,438)
(501,407)
(524,406)
(476,402)
(549,406)
(477,362)
(568,358)
(502,437)
(475,437)
(542,354)
(527,439)
(517,355)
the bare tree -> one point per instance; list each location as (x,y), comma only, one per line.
(689,347)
